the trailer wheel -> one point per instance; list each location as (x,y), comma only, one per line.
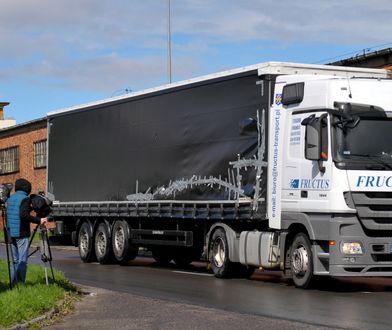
(219,254)
(122,250)
(85,243)
(103,248)
(301,261)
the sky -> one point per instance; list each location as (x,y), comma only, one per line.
(56,54)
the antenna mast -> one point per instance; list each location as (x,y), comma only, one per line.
(169,64)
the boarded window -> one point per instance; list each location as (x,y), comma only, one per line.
(9,160)
(40,154)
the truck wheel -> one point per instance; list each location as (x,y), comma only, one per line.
(219,255)
(301,261)
(85,243)
(122,250)
(162,255)
(103,249)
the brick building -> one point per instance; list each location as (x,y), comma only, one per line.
(23,154)
(380,59)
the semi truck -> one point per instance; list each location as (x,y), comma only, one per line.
(277,166)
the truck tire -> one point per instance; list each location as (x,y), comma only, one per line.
(162,255)
(85,243)
(219,254)
(301,261)
(103,246)
(123,251)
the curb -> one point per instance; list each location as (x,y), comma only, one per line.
(45,316)
(82,291)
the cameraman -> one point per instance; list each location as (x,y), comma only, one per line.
(19,219)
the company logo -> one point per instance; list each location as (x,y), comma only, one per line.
(278,99)
(369,181)
(294,184)
(321,184)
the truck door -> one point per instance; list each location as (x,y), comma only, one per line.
(307,162)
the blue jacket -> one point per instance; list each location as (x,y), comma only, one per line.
(13,214)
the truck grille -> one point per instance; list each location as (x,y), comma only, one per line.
(374,210)
(382,257)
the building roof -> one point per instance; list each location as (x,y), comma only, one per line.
(24,127)
(378,59)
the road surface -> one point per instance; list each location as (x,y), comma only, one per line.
(343,303)
(347,303)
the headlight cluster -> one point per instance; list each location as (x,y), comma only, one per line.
(351,248)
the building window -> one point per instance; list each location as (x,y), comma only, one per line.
(9,160)
(40,154)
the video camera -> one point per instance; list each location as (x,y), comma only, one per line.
(5,191)
(41,204)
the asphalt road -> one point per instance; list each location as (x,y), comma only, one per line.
(343,303)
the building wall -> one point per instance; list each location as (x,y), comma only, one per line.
(24,137)
(25,141)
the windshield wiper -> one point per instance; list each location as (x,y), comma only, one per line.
(375,158)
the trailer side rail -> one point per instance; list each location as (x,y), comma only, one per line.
(218,210)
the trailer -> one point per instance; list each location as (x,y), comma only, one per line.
(240,168)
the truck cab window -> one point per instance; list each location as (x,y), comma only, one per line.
(362,145)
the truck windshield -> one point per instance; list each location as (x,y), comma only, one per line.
(366,144)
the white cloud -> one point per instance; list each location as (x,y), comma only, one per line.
(100,44)
(286,20)
(105,73)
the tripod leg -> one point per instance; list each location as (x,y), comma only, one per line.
(46,276)
(8,247)
(8,244)
(31,240)
(51,269)
(6,241)
(46,253)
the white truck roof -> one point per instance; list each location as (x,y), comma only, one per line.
(322,92)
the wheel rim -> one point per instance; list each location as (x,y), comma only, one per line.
(84,243)
(119,238)
(300,261)
(219,252)
(101,243)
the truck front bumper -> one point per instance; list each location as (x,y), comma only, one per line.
(373,258)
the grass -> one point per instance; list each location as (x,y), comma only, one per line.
(30,300)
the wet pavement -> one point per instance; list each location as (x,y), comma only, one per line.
(103,309)
(144,295)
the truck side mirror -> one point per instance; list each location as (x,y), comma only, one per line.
(316,139)
(312,138)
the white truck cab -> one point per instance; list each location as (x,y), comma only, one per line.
(331,166)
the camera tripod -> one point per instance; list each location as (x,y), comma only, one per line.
(44,248)
(8,244)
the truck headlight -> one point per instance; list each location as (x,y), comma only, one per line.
(351,248)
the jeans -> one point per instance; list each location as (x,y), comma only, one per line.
(20,253)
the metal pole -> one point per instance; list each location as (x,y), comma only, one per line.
(169,64)
(8,245)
